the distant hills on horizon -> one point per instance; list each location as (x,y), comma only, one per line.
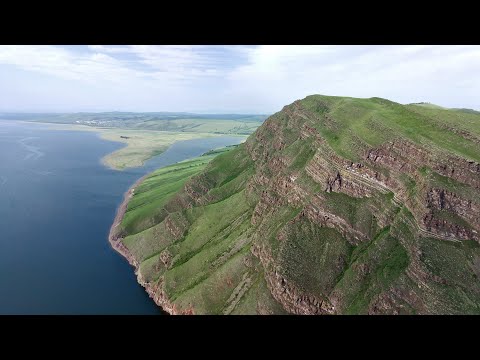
(11,115)
(164,115)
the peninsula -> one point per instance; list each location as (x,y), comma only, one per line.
(334,205)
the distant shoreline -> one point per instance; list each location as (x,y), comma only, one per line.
(140,145)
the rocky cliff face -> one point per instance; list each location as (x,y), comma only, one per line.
(333,206)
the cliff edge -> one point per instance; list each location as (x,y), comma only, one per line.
(334,205)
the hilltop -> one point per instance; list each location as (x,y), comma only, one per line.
(334,205)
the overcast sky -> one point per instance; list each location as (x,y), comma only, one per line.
(234,79)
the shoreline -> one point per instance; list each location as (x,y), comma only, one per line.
(140,145)
(115,240)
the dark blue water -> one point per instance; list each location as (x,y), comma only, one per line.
(57,203)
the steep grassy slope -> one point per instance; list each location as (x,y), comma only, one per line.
(333,206)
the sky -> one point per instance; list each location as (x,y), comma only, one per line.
(230,79)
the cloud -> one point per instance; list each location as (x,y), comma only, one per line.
(281,74)
(180,61)
(59,62)
(245,78)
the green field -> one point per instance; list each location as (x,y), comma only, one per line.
(216,126)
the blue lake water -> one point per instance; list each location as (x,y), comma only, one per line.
(57,203)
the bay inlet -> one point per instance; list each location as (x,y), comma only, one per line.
(57,203)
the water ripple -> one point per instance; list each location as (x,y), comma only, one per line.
(34,151)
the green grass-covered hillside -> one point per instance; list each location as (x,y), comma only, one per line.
(334,205)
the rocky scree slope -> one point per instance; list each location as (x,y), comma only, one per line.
(333,206)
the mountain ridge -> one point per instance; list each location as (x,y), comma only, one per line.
(334,205)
